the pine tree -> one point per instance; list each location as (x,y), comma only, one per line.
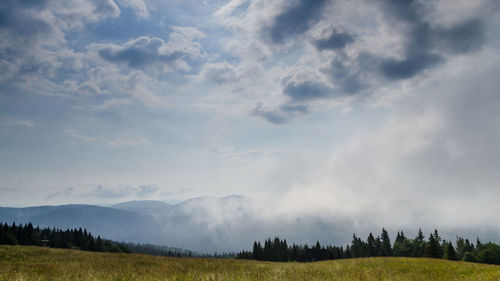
(386,249)
(257,251)
(99,244)
(402,246)
(347,253)
(450,253)
(433,248)
(419,244)
(371,245)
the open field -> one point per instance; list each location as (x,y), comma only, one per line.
(35,263)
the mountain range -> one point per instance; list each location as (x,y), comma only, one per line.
(210,224)
(205,224)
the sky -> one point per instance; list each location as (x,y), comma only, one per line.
(379,111)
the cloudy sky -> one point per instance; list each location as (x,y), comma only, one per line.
(339,107)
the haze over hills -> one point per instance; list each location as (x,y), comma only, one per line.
(204,224)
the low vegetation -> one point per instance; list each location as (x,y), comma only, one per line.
(41,263)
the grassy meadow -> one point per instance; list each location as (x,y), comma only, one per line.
(35,263)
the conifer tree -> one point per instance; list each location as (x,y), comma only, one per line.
(257,251)
(371,245)
(386,249)
(419,244)
(433,248)
(449,252)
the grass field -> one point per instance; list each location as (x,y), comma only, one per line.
(35,263)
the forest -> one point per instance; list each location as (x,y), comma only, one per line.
(79,239)
(432,247)
(57,238)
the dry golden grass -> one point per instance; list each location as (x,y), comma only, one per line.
(35,263)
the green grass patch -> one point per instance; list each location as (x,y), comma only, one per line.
(35,263)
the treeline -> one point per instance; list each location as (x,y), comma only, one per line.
(165,251)
(57,238)
(380,246)
(79,239)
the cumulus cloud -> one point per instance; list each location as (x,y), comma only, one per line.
(144,52)
(337,40)
(219,73)
(139,7)
(408,67)
(34,48)
(346,46)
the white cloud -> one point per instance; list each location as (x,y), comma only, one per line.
(428,164)
(139,7)
(114,142)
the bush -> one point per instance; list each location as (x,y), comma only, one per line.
(489,253)
(470,257)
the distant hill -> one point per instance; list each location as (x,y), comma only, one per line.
(204,224)
(57,264)
(120,225)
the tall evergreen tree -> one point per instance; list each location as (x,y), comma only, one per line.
(257,251)
(99,244)
(402,246)
(370,241)
(433,248)
(386,249)
(449,252)
(419,244)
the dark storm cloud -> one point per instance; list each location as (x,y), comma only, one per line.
(403,9)
(347,79)
(20,33)
(464,37)
(296,19)
(15,20)
(427,44)
(338,40)
(306,91)
(409,67)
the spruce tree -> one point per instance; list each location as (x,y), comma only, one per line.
(386,249)
(371,245)
(449,252)
(433,248)
(419,244)
(257,251)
